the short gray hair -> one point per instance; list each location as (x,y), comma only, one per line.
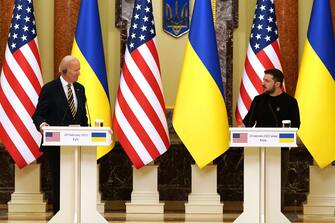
(65,61)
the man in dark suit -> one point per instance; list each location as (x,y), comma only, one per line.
(61,103)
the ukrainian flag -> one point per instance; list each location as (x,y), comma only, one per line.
(88,48)
(200,115)
(98,136)
(315,91)
(286,137)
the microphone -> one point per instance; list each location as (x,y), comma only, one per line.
(274,115)
(252,111)
(88,114)
(63,118)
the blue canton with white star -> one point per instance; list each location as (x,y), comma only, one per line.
(264,27)
(142,25)
(22,29)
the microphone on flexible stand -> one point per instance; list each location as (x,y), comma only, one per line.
(251,114)
(88,114)
(86,106)
(63,118)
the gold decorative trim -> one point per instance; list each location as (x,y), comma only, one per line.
(214,10)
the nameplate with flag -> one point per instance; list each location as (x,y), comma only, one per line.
(263,137)
(76,136)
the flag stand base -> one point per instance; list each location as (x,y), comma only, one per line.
(145,196)
(27,196)
(204,199)
(321,198)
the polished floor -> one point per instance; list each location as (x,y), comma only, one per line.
(118,217)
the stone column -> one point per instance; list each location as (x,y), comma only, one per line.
(225,24)
(6,10)
(66,15)
(287,20)
(332,5)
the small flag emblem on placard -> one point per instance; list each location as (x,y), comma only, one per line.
(98,136)
(240,137)
(52,136)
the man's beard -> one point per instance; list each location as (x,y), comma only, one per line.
(269,91)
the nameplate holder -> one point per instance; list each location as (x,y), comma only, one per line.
(263,137)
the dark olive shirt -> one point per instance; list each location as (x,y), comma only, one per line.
(270,111)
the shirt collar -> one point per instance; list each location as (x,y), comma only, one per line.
(63,81)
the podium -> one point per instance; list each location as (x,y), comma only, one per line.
(262,171)
(78,171)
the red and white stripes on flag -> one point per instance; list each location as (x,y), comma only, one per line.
(20,85)
(140,115)
(262,54)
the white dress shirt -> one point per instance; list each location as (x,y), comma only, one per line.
(64,84)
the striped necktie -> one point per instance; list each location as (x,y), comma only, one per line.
(71,100)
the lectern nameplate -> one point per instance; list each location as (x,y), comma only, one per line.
(74,136)
(263,137)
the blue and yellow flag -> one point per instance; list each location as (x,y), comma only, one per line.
(315,91)
(200,115)
(88,48)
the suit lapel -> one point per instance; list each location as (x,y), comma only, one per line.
(79,99)
(61,92)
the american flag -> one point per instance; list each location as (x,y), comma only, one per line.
(240,137)
(20,85)
(140,115)
(263,53)
(52,136)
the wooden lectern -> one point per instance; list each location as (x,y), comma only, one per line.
(78,171)
(262,171)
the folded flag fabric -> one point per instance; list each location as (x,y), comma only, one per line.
(200,115)
(315,90)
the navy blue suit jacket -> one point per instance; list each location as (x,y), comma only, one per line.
(53,108)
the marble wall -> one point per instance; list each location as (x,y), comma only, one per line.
(6,8)
(287,20)
(6,175)
(226,22)
(66,14)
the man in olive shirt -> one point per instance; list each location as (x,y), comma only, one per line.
(273,106)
